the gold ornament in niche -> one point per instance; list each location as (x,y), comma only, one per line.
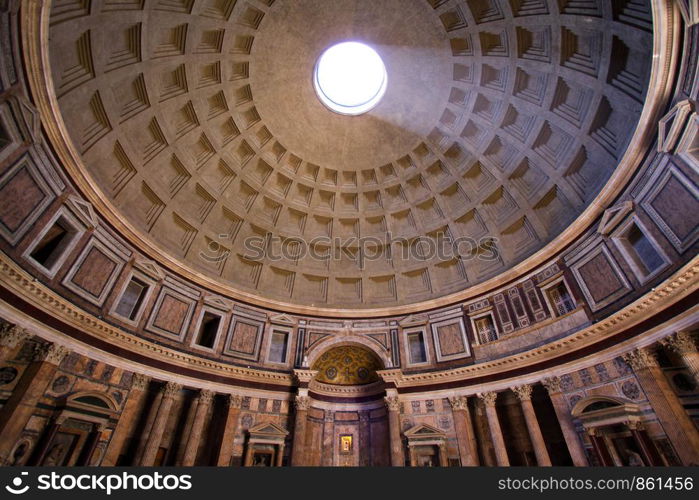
(346,444)
(347,365)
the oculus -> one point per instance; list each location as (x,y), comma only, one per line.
(350,78)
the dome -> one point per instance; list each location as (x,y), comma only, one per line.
(201,132)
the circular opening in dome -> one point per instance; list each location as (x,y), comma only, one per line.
(350,78)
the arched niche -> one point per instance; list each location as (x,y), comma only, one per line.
(347,365)
(324,345)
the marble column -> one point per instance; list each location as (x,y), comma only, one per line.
(465,435)
(412,454)
(280,456)
(247,461)
(486,450)
(147,426)
(364,440)
(29,389)
(524,394)
(565,421)
(328,439)
(489,399)
(127,420)
(645,444)
(169,391)
(42,446)
(616,459)
(599,445)
(396,443)
(185,431)
(683,344)
(90,446)
(443,456)
(674,419)
(298,452)
(203,404)
(226,451)
(11,336)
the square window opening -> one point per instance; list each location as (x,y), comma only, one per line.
(132,299)
(208,330)
(416,346)
(641,250)
(53,244)
(278,346)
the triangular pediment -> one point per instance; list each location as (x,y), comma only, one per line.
(84,210)
(281,319)
(150,268)
(414,319)
(268,429)
(670,127)
(424,431)
(613,216)
(218,303)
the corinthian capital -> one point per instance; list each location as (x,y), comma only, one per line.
(206,396)
(488,398)
(171,389)
(459,403)
(139,382)
(51,353)
(552,384)
(235,401)
(302,403)
(640,358)
(392,403)
(680,342)
(523,392)
(12,335)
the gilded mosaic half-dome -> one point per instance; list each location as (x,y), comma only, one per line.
(347,365)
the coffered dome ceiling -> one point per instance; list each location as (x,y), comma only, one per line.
(198,121)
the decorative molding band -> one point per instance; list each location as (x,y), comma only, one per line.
(21,283)
(677,287)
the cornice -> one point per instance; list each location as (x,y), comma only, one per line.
(20,282)
(680,285)
(346,391)
(35,28)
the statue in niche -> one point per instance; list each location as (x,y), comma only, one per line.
(262,460)
(633,459)
(55,455)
